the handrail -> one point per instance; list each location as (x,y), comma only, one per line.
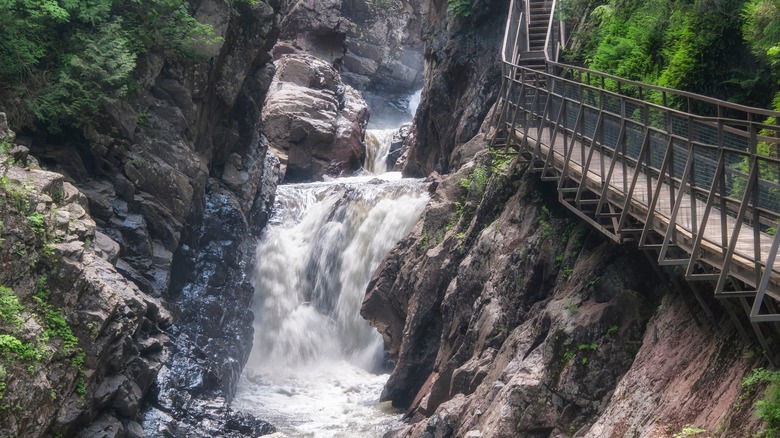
(714,119)
(506,32)
(548,37)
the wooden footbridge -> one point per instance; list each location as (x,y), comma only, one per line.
(692,178)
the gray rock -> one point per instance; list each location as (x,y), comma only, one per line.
(127,398)
(107,426)
(106,247)
(101,196)
(107,389)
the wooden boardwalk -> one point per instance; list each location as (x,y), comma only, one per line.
(689,220)
(692,178)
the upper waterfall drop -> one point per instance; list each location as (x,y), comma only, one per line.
(378,144)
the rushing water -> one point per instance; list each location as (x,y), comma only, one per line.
(314,368)
(378,142)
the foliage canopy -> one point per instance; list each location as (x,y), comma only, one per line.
(61,60)
(729,49)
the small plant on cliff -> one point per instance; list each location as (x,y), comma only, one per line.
(10,308)
(768,408)
(382,4)
(463,8)
(570,306)
(11,346)
(3,375)
(689,431)
(543,221)
(37,223)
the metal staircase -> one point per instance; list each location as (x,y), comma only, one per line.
(537,22)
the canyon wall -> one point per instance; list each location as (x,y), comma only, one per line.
(177,179)
(506,316)
(462,78)
(174,183)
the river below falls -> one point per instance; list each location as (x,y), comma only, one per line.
(317,368)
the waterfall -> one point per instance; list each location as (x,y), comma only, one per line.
(313,367)
(378,143)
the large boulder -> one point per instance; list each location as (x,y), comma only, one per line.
(314,123)
(377,46)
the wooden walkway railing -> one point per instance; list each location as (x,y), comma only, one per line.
(693,178)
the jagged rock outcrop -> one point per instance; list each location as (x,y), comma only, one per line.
(80,345)
(376,45)
(164,171)
(461,83)
(507,317)
(314,123)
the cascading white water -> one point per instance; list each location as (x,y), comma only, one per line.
(378,143)
(312,371)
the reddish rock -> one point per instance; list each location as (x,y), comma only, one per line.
(313,122)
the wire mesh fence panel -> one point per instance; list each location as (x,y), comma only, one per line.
(705,165)
(634,136)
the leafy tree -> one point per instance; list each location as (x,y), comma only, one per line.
(94,75)
(65,59)
(693,45)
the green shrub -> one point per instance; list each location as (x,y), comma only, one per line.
(10,344)
(10,309)
(37,223)
(463,8)
(65,59)
(95,75)
(768,408)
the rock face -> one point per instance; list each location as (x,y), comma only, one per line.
(314,122)
(177,176)
(376,45)
(81,345)
(462,81)
(505,316)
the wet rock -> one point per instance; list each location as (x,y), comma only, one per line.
(399,146)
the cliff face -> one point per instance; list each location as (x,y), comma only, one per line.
(506,317)
(461,82)
(376,45)
(80,345)
(177,179)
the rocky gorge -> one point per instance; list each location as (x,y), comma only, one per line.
(501,315)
